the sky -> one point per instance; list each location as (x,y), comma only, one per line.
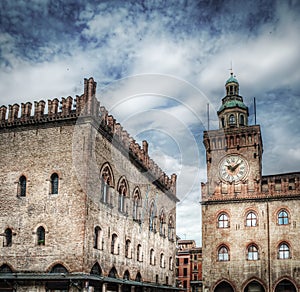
(158,64)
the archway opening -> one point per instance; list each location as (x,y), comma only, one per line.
(285,286)
(254,286)
(224,287)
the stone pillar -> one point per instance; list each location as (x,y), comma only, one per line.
(119,288)
(104,287)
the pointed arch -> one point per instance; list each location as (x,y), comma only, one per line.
(113,273)
(138,277)
(285,285)
(96,269)
(137,204)
(107,183)
(5,268)
(254,284)
(123,191)
(162,221)
(171,228)
(152,216)
(223,286)
(126,275)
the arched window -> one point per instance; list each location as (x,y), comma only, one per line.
(126,275)
(283,217)
(171,227)
(152,217)
(8,237)
(22,186)
(136,205)
(114,244)
(285,285)
(161,223)
(171,263)
(152,257)
(96,270)
(251,219)
(54,183)
(242,120)
(138,277)
(5,269)
(40,235)
(231,119)
(283,251)
(139,256)
(59,269)
(122,190)
(162,260)
(98,238)
(223,254)
(223,122)
(128,248)
(252,253)
(223,221)
(113,273)
(106,183)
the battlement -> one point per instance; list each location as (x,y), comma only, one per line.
(86,105)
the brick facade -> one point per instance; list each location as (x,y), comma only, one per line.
(249,221)
(85,232)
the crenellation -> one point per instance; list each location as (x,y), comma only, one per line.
(39,108)
(85,104)
(3,110)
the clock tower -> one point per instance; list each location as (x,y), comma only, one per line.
(234,151)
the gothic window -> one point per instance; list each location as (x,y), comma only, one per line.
(5,269)
(161,223)
(40,233)
(128,248)
(253,253)
(122,190)
(171,227)
(152,217)
(106,183)
(139,253)
(283,251)
(126,275)
(98,238)
(152,257)
(114,244)
(231,119)
(113,273)
(54,183)
(59,269)
(22,186)
(8,237)
(138,277)
(251,219)
(96,270)
(223,254)
(283,217)
(136,205)
(223,221)
(162,260)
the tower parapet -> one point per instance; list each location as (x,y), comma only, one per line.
(82,106)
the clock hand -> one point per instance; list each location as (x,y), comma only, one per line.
(235,167)
(229,167)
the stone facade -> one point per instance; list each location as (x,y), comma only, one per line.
(81,203)
(250,222)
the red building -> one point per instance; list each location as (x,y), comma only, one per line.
(189,265)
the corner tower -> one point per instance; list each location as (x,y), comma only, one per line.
(234,151)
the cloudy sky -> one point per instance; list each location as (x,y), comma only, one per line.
(157,65)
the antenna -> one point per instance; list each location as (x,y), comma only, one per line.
(254,105)
(230,69)
(207,116)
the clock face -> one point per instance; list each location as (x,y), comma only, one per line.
(233,168)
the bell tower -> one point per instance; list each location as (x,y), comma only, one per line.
(234,151)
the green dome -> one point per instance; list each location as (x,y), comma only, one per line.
(231,104)
(232,79)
